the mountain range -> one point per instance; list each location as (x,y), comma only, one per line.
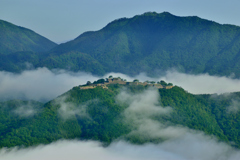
(151,43)
(129,111)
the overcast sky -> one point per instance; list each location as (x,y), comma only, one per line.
(62,20)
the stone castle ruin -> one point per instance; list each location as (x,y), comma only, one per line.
(103,83)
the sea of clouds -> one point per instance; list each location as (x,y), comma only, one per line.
(181,143)
(42,84)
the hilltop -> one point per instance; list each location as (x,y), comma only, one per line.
(117,80)
(100,114)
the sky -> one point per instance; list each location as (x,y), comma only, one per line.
(61,20)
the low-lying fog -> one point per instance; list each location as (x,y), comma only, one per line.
(181,143)
(43,85)
(189,148)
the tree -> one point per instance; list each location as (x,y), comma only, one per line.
(89,83)
(101,81)
(110,76)
(135,80)
(163,83)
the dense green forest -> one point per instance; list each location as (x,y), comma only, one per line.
(20,47)
(151,43)
(16,39)
(96,114)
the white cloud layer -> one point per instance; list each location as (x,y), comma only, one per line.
(189,147)
(27,110)
(139,115)
(196,84)
(203,83)
(180,143)
(234,107)
(42,84)
(69,110)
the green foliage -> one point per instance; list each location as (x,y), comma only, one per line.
(95,115)
(19,61)
(74,61)
(99,81)
(152,42)
(189,111)
(149,43)
(227,120)
(15,39)
(163,83)
(88,83)
(43,127)
(135,80)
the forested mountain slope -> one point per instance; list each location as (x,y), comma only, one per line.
(20,47)
(154,42)
(14,39)
(106,114)
(150,43)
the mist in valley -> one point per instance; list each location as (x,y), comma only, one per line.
(179,142)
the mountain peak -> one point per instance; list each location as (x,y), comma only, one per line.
(153,14)
(15,38)
(157,14)
(159,41)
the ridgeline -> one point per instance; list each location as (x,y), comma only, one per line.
(150,43)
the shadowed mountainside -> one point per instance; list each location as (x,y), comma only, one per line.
(15,39)
(20,45)
(155,42)
(105,114)
(150,43)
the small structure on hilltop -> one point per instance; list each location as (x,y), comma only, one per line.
(114,81)
(111,80)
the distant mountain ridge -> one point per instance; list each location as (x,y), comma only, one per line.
(157,42)
(152,43)
(20,46)
(14,39)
